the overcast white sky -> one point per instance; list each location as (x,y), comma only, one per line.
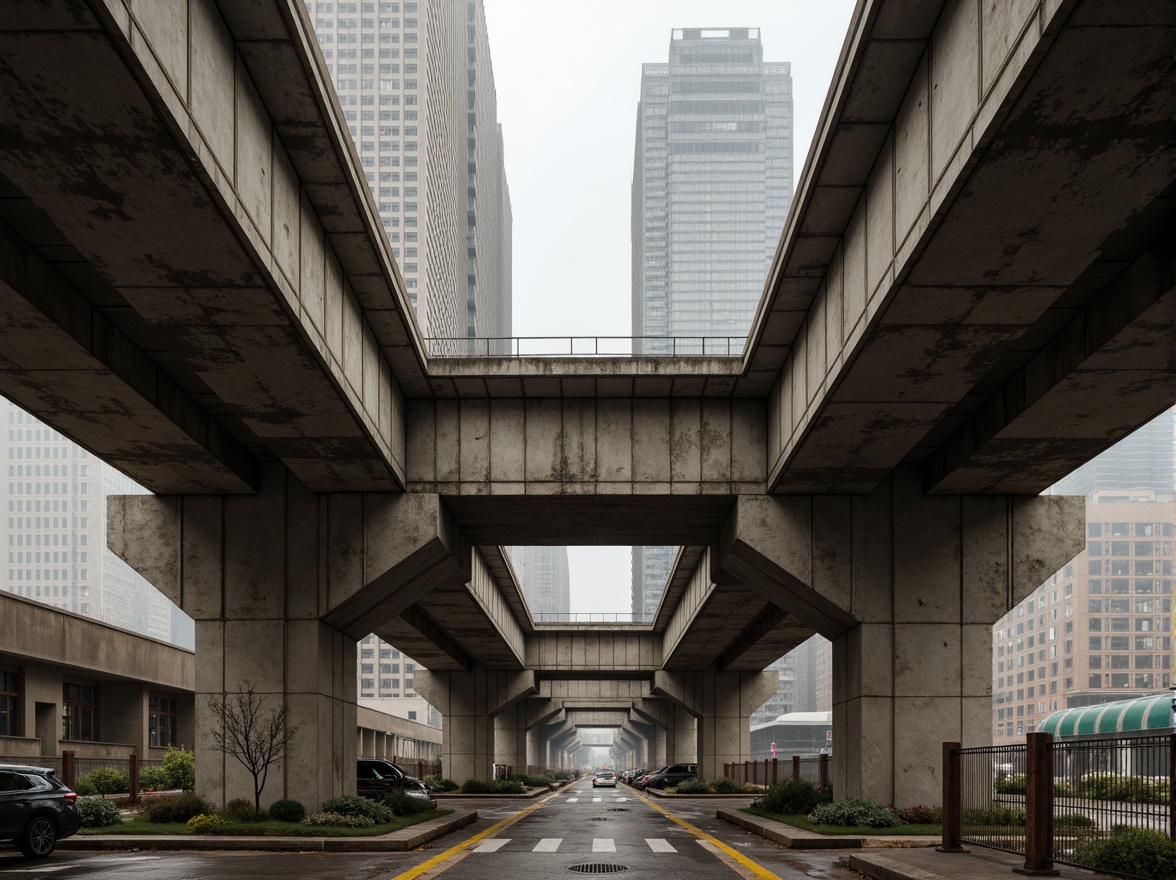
(568,73)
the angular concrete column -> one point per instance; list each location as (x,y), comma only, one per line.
(280,585)
(907,586)
(723,703)
(677,730)
(468,703)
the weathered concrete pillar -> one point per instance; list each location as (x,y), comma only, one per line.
(907,586)
(281,584)
(469,703)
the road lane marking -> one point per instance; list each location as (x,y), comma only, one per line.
(659,844)
(750,869)
(493,845)
(597,800)
(572,800)
(548,844)
(459,851)
(603,844)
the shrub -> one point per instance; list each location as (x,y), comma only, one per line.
(750,788)
(241,810)
(153,779)
(338,820)
(208,823)
(440,783)
(177,808)
(179,769)
(96,812)
(920,815)
(493,786)
(1012,784)
(350,805)
(531,781)
(563,775)
(105,780)
(693,786)
(1074,820)
(856,813)
(403,805)
(1138,851)
(793,797)
(287,811)
(723,785)
(995,816)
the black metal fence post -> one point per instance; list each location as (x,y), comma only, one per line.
(952,800)
(1039,820)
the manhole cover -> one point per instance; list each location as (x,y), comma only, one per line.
(598,868)
(618,809)
(599,819)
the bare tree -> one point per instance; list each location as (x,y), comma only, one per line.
(256,738)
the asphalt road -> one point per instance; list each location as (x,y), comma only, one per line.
(578,826)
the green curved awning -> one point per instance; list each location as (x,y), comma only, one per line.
(1142,713)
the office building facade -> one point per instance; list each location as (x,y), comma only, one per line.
(416,87)
(712,184)
(545,578)
(651,569)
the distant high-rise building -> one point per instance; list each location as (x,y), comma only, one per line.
(651,570)
(784,700)
(1143,460)
(545,578)
(55,532)
(712,184)
(416,86)
(813,671)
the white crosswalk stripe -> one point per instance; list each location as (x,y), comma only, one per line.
(494,845)
(659,844)
(603,844)
(548,844)
(597,800)
(572,800)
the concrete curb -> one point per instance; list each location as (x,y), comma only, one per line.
(786,835)
(657,792)
(529,795)
(397,841)
(882,868)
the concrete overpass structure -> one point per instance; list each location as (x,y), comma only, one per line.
(972,296)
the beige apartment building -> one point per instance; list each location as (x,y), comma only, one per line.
(1101,628)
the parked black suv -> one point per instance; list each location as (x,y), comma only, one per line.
(670,776)
(36,809)
(377,778)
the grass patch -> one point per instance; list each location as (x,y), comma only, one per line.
(268,828)
(802,822)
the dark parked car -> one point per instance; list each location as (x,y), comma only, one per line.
(631,776)
(669,776)
(36,809)
(378,778)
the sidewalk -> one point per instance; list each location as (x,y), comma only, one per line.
(927,864)
(398,841)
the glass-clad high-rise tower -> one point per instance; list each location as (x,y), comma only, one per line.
(712,183)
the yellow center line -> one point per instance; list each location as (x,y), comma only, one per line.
(424,867)
(756,870)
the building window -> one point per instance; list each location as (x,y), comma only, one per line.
(161,722)
(9,704)
(79,713)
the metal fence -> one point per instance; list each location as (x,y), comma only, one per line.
(1052,801)
(586,346)
(816,769)
(626,617)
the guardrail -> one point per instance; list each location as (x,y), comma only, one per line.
(1051,800)
(585,346)
(770,771)
(588,617)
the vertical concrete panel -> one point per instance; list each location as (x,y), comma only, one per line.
(286,214)
(421,458)
(312,273)
(798,375)
(165,26)
(211,68)
(854,273)
(255,653)
(448,416)
(927,659)
(333,308)
(345,547)
(880,219)
(475,441)
(614,440)
(926,552)
(202,558)
(814,332)
(985,564)
(352,331)
(912,182)
(954,79)
(748,436)
(832,574)
(302,551)
(715,440)
(834,307)
(254,135)
(579,427)
(254,548)
(775,428)
(651,441)
(508,441)
(544,443)
(371,372)
(685,440)
(1001,24)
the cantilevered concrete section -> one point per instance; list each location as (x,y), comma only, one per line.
(973,295)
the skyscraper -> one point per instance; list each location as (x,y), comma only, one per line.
(416,86)
(712,184)
(651,568)
(545,579)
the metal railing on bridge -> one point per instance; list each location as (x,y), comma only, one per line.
(588,617)
(1053,801)
(585,346)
